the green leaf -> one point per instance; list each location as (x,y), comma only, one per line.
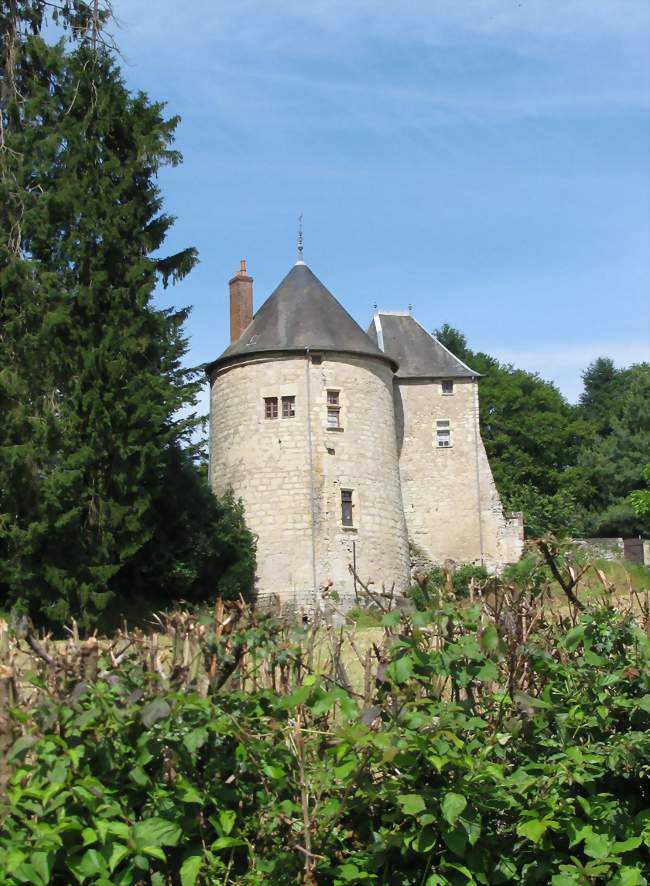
(226,843)
(533,829)
(627,845)
(488,673)
(117,854)
(154,852)
(155,710)
(426,840)
(597,846)
(195,739)
(273,771)
(574,636)
(190,870)
(227,819)
(628,876)
(411,803)
(390,619)
(400,670)
(156,832)
(139,776)
(452,806)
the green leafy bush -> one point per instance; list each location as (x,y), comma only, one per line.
(481,754)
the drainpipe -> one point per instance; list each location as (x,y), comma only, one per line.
(311,478)
(478,471)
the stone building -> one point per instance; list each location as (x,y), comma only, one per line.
(348,447)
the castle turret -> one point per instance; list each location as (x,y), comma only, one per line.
(302,429)
(451,504)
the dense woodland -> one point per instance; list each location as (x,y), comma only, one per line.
(103,493)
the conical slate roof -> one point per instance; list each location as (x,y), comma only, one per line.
(301,314)
(418,353)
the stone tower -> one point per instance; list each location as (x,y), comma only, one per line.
(302,429)
(451,504)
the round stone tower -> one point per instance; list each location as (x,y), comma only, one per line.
(302,429)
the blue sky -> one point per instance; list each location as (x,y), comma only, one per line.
(485,160)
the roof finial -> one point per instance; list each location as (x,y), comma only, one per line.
(410,309)
(300,260)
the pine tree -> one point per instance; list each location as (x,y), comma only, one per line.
(91,374)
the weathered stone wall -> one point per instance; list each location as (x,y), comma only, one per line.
(451,504)
(289,473)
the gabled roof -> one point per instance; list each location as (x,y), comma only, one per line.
(418,353)
(301,313)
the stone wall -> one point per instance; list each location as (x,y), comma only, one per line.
(451,504)
(289,473)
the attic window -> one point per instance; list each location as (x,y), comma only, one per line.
(270,407)
(443,434)
(447,387)
(288,407)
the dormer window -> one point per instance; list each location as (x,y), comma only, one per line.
(447,386)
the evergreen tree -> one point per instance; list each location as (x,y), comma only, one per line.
(91,374)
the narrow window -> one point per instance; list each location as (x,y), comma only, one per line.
(447,387)
(443,434)
(271,407)
(333,410)
(288,407)
(346,507)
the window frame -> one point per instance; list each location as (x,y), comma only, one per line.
(271,411)
(450,384)
(333,415)
(443,426)
(347,508)
(288,406)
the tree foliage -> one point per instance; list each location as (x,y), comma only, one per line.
(92,381)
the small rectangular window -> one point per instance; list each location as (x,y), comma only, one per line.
(346,507)
(443,434)
(333,418)
(271,407)
(288,407)
(333,410)
(447,387)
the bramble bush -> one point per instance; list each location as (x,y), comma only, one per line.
(495,743)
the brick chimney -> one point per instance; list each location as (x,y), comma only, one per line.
(241,302)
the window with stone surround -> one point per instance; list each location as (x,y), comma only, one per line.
(443,434)
(270,407)
(333,410)
(288,407)
(346,507)
(447,387)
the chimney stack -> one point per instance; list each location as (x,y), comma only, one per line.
(241,302)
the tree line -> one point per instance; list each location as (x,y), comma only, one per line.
(572,469)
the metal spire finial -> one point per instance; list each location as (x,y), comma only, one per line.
(300,260)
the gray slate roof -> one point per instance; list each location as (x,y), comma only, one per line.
(418,353)
(301,313)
